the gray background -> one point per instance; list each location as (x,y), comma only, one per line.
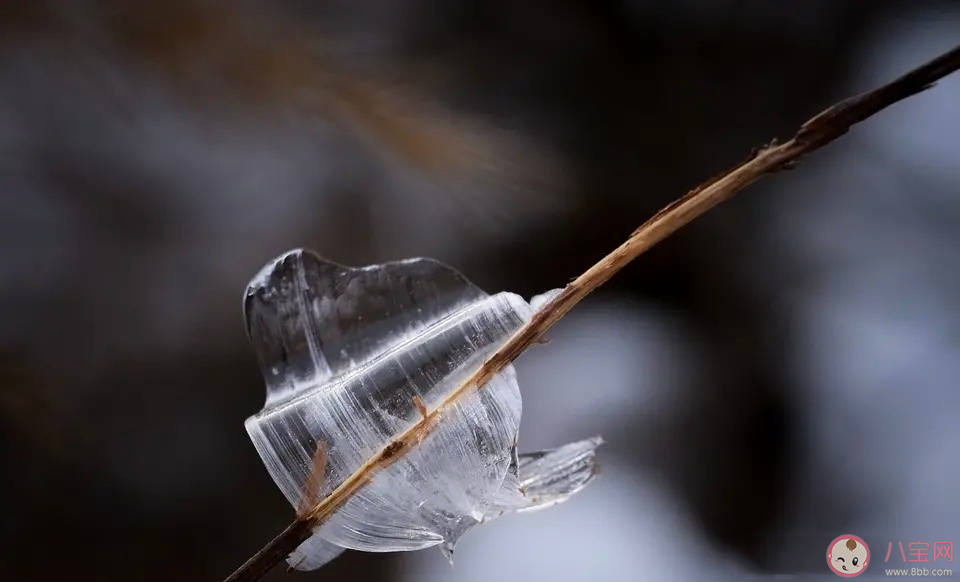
(781,372)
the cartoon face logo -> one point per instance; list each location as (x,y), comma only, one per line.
(848,556)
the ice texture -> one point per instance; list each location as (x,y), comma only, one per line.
(346,353)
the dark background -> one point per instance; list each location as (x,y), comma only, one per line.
(781,372)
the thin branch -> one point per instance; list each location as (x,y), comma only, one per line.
(310,495)
(814,134)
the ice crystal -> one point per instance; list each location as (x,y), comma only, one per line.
(348,355)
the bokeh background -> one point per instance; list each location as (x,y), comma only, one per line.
(781,372)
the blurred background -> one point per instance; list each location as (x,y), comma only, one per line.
(781,372)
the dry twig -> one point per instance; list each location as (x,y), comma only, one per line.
(814,134)
(311,489)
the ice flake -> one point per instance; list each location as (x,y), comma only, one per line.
(351,358)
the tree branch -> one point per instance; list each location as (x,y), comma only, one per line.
(814,134)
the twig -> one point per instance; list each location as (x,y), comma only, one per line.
(311,489)
(814,134)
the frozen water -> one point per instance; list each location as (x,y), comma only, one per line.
(346,354)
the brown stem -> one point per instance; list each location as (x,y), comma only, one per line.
(274,552)
(814,134)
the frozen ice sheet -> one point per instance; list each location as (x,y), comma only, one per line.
(346,354)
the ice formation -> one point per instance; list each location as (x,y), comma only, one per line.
(348,354)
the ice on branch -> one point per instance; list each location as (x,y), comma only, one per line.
(352,359)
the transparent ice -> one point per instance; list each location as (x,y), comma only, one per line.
(345,352)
